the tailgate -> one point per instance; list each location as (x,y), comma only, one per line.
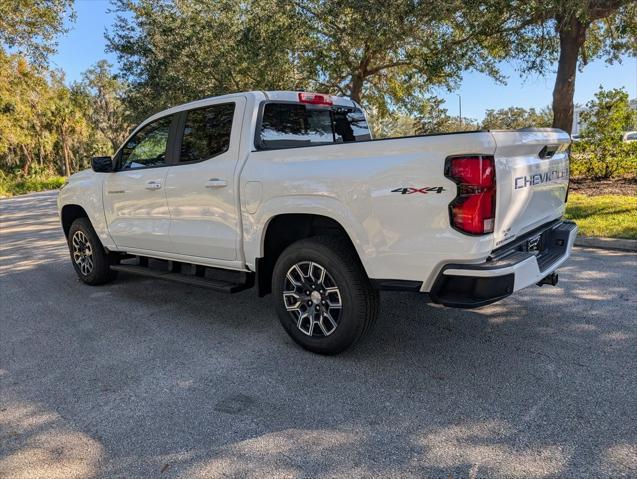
(532,179)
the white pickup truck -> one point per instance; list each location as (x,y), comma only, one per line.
(288,191)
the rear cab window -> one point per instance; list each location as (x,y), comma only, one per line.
(293,125)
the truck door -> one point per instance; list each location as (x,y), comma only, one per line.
(134,195)
(200,186)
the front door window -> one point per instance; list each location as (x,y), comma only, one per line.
(147,147)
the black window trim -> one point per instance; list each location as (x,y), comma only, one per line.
(257,131)
(181,124)
(169,145)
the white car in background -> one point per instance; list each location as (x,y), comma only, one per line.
(287,191)
(630,136)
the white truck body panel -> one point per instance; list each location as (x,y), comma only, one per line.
(137,214)
(531,190)
(352,183)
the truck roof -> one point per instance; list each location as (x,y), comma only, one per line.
(291,96)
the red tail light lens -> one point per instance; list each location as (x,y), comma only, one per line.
(473,209)
(315,99)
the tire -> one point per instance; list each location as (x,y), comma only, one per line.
(315,321)
(89,259)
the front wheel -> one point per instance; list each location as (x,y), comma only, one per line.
(323,297)
(90,260)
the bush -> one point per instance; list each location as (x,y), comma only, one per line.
(594,162)
(602,154)
(17,184)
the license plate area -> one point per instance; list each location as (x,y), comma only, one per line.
(552,244)
(535,244)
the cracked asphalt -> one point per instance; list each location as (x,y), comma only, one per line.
(142,378)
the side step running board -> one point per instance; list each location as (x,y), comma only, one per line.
(214,284)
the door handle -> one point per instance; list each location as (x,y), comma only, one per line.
(216,183)
(153,185)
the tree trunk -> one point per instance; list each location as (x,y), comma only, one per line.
(67,165)
(572,36)
(356,88)
(27,161)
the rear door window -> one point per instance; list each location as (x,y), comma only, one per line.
(288,125)
(206,132)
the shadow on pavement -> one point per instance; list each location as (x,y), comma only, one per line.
(147,378)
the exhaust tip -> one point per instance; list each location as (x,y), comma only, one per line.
(551,279)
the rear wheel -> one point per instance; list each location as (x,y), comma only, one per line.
(324,299)
(90,260)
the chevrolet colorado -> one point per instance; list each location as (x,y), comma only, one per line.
(288,191)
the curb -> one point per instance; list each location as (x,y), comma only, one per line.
(606,243)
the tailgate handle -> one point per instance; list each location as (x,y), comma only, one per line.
(548,151)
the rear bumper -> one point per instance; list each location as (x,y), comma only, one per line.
(508,270)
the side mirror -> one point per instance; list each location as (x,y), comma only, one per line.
(102,164)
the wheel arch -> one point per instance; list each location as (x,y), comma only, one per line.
(282,230)
(69,214)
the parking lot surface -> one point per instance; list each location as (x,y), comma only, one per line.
(142,378)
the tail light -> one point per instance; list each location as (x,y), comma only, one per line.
(315,98)
(473,209)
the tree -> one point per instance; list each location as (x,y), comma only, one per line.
(602,149)
(173,52)
(385,57)
(569,33)
(23,113)
(393,125)
(388,55)
(516,117)
(45,126)
(68,121)
(30,26)
(104,103)
(433,118)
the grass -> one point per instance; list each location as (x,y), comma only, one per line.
(609,216)
(11,185)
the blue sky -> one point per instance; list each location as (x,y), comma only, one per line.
(84,45)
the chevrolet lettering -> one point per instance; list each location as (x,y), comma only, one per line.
(539,178)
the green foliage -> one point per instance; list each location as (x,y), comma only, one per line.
(387,57)
(19,184)
(601,153)
(30,26)
(589,162)
(433,118)
(174,52)
(609,216)
(608,116)
(46,124)
(513,118)
(102,96)
(528,31)
(539,34)
(392,125)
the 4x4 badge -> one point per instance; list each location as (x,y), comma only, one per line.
(424,190)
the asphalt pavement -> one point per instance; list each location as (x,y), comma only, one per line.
(143,378)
